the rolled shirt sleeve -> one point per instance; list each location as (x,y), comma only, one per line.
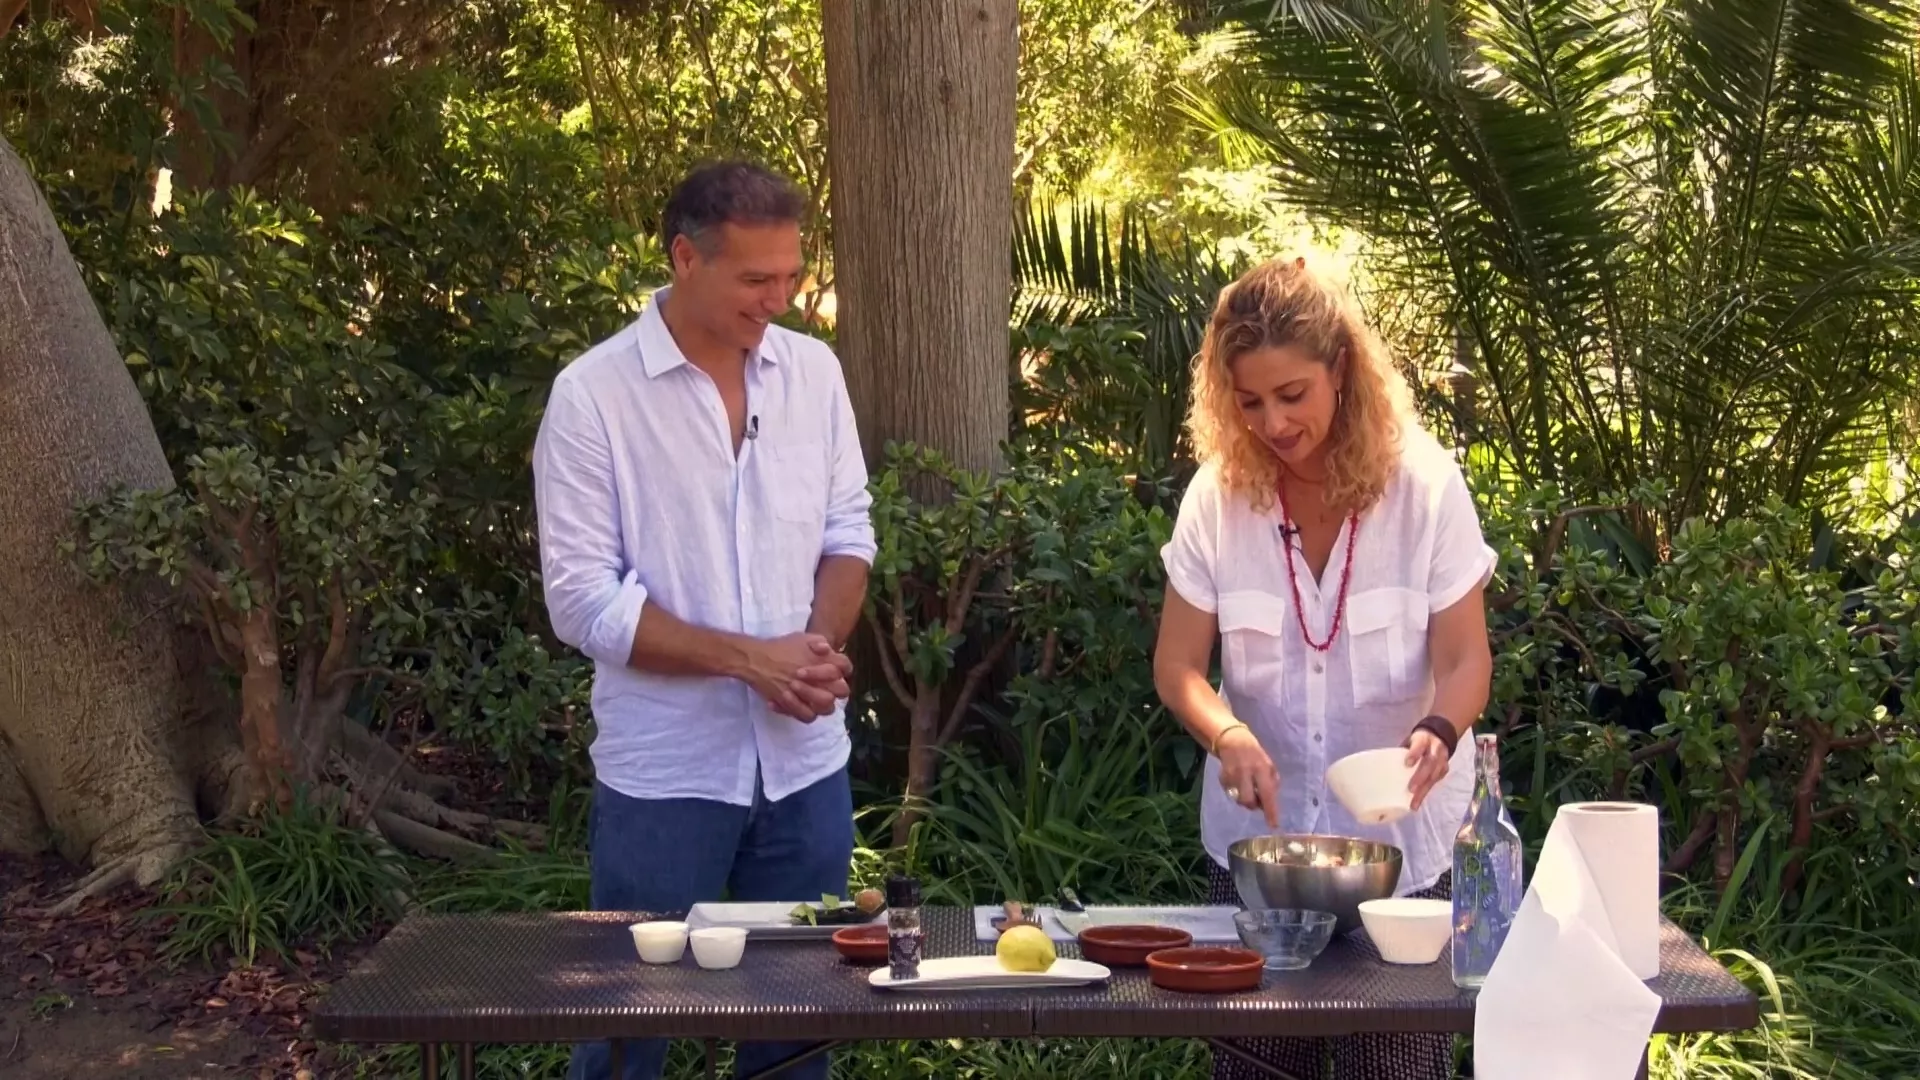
(849,528)
(593,599)
(1189,556)
(1462,558)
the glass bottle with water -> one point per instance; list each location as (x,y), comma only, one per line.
(1486,872)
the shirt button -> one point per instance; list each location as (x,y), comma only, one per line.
(1318,667)
(1316,738)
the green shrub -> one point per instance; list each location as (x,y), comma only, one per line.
(1734,684)
(1040,579)
(416,343)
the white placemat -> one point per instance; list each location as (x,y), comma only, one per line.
(1210,924)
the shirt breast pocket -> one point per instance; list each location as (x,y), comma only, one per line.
(796,481)
(1388,649)
(1252,625)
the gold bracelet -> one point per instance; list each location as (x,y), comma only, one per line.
(1213,749)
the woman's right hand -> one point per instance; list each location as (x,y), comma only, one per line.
(1248,773)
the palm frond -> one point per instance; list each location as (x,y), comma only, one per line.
(1676,234)
(1139,302)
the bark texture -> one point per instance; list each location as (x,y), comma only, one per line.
(91,729)
(920,121)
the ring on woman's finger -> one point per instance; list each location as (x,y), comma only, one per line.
(1233,793)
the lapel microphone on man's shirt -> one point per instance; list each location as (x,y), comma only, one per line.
(753,426)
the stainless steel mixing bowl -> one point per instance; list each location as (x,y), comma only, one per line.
(1319,873)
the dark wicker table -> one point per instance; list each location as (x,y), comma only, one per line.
(574,977)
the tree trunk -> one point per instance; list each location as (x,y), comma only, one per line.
(92,737)
(923,763)
(920,123)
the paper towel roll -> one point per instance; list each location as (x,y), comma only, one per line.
(1620,843)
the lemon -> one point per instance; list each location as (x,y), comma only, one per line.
(1025,948)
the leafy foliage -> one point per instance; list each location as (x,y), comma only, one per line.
(1124,56)
(334,521)
(977,571)
(1670,242)
(1747,694)
(370,388)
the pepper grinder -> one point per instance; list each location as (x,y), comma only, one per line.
(903,927)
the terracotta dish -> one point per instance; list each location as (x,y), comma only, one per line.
(1206,970)
(1128,946)
(862,944)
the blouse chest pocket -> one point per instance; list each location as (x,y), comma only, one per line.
(1251,627)
(1389,645)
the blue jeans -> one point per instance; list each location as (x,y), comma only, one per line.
(668,854)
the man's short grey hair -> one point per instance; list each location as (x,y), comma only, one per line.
(729,192)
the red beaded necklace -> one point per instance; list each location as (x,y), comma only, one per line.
(1287,533)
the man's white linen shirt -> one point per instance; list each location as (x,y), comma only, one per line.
(641,497)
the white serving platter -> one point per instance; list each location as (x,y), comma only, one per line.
(985,973)
(1209,924)
(762,920)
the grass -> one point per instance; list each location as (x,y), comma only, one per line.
(1844,1008)
(293,878)
(1081,806)
(518,880)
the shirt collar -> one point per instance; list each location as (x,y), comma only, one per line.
(659,353)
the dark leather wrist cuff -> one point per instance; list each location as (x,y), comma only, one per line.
(1442,729)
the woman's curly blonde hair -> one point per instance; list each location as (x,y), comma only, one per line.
(1284,302)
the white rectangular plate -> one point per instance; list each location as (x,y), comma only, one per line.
(767,920)
(985,973)
(1211,924)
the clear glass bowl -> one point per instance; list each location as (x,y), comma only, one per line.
(1289,938)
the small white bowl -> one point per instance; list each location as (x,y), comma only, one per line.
(1408,931)
(660,942)
(1372,785)
(717,948)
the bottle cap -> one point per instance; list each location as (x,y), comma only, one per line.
(903,892)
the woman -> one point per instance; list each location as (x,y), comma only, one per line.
(1331,545)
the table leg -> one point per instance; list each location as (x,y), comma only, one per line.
(466,1061)
(713,1059)
(430,1061)
(1221,1045)
(617,1059)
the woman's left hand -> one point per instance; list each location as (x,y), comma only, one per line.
(1428,756)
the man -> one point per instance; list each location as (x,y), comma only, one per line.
(705,539)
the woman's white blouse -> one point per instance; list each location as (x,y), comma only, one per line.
(1419,550)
